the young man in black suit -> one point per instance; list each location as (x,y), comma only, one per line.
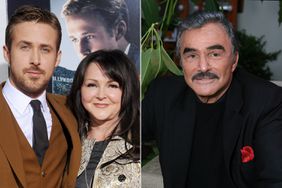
(217,126)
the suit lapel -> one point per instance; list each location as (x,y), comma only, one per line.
(9,140)
(181,123)
(232,121)
(70,123)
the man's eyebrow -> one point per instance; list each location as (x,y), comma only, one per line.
(82,34)
(186,50)
(216,47)
(30,44)
(93,31)
(85,33)
(24,42)
(46,46)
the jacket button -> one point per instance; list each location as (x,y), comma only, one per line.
(43,173)
(121,178)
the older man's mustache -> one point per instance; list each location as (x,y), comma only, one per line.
(204,75)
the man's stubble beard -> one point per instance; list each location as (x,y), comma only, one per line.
(32,87)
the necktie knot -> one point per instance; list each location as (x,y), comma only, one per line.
(35,104)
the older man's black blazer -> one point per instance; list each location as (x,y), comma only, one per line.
(252,117)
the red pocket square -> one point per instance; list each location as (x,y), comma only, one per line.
(247,154)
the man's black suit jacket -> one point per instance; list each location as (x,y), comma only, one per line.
(252,117)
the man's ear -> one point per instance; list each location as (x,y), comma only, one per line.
(6,54)
(120,30)
(235,62)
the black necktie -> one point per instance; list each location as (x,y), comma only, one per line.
(40,137)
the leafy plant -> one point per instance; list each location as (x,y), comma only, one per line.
(253,56)
(155,59)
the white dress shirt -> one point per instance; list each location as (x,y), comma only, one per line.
(127,49)
(19,104)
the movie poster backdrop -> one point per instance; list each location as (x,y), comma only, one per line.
(64,73)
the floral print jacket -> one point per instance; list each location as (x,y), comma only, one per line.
(121,173)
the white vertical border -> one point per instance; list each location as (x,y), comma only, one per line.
(3,21)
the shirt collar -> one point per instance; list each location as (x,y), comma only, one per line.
(127,49)
(19,100)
